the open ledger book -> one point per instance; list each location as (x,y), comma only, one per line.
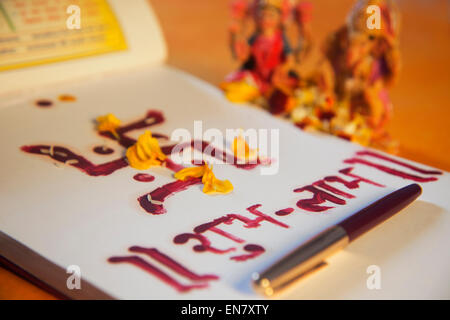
(65,205)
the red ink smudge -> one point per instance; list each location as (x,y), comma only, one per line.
(144,177)
(169,164)
(284,212)
(103,150)
(44,103)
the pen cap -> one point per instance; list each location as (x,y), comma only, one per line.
(379,211)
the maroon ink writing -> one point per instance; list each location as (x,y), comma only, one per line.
(67,157)
(103,150)
(144,177)
(319,197)
(160,274)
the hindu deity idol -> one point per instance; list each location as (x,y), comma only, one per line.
(366,63)
(259,43)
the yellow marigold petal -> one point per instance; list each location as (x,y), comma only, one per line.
(212,185)
(241,91)
(141,152)
(67,98)
(216,186)
(143,143)
(363,136)
(108,122)
(156,149)
(242,150)
(145,152)
(134,160)
(191,172)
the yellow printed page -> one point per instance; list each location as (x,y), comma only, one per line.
(41,47)
(43,31)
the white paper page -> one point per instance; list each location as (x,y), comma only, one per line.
(72,218)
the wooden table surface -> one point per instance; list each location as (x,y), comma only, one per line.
(195,32)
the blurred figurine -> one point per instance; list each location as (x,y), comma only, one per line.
(315,91)
(341,90)
(265,76)
(366,63)
(279,68)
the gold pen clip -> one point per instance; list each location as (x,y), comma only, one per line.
(301,262)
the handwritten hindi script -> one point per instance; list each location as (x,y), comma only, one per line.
(325,193)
